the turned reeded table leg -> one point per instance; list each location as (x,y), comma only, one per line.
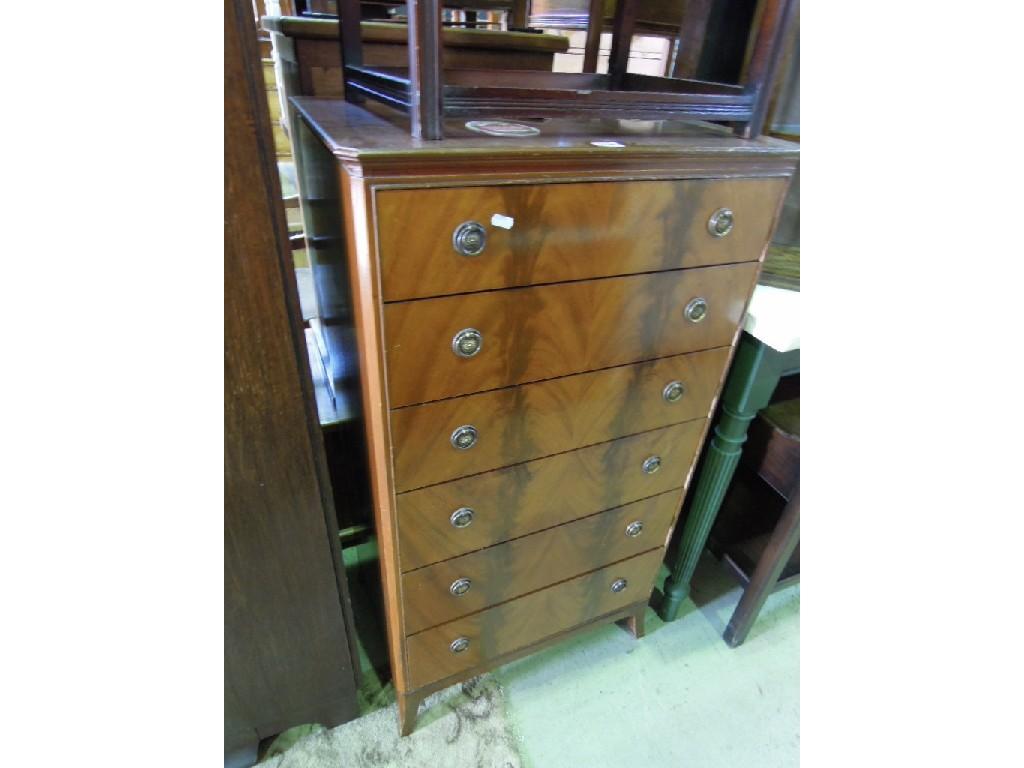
(755,373)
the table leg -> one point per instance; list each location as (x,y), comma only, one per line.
(755,373)
(780,546)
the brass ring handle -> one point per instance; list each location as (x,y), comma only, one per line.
(673,391)
(696,310)
(651,464)
(464,437)
(467,342)
(721,222)
(469,238)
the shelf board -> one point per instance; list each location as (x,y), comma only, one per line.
(743,557)
(332,409)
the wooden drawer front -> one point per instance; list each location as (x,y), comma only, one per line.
(566,232)
(532,562)
(529,619)
(534,420)
(547,331)
(529,497)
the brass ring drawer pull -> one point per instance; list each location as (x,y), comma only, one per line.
(720,223)
(459,644)
(467,342)
(634,529)
(469,238)
(461,517)
(464,437)
(460,587)
(696,310)
(651,464)
(673,391)
(619,584)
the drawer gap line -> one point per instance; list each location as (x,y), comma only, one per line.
(535,591)
(553,378)
(542,530)
(548,456)
(569,282)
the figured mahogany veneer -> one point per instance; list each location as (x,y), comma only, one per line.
(582,307)
(515,568)
(527,619)
(521,423)
(566,232)
(553,330)
(521,499)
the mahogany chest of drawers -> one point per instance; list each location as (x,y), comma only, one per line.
(543,326)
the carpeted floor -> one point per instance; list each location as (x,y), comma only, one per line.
(678,697)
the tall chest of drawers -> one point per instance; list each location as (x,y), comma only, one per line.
(543,327)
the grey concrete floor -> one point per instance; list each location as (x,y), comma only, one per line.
(678,697)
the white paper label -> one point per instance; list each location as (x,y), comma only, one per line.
(609,144)
(505,222)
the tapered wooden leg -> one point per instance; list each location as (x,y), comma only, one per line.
(692,34)
(408,705)
(425,67)
(351,44)
(635,623)
(519,14)
(780,546)
(764,60)
(623,25)
(593,45)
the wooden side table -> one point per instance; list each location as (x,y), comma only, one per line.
(769,348)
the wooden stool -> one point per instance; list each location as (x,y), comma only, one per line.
(429,92)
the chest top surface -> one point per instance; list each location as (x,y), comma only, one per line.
(375,133)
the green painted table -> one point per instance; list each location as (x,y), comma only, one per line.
(769,348)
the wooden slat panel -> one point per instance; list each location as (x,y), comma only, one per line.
(282,145)
(529,497)
(528,619)
(566,232)
(533,420)
(533,562)
(274,106)
(547,331)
